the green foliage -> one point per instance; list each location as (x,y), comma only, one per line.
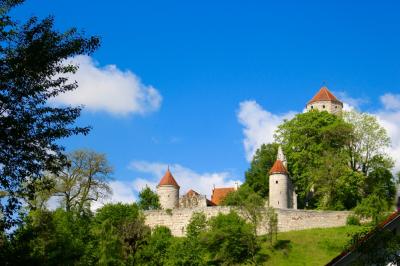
(197,225)
(33,72)
(155,252)
(119,231)
(48,238)
(352,220)
(257,176)
(84,180)
(249,204)
(230,240)
(306,139)
(186,252)
(372,207)
(148,200)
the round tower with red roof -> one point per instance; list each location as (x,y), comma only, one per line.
(324,100)
(168,191)
(281,192)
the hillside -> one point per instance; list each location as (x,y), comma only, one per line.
(309,247)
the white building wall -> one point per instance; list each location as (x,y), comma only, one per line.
(279,191)
(330,107)
(169,196)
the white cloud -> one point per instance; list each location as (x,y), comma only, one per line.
(391,101)
(185,177)
(109,89)
(259,125)
(390,120)
(350,103)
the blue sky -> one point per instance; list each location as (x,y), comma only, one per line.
(207,77)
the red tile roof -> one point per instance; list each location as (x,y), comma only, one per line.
(168,180)
(218,194)
(278,168)
(324,95)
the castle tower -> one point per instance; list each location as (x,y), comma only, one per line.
(324,100)
(168,192)
(281,192)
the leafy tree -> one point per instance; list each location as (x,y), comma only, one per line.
(155,252)
(372,207)
(306,138)
(148,200)
(48,238)
(33,71)
(120,231)
(381,182)
(186,252)
(271,224)
(257,176)
(250,205)
(368,142)
(83,180)
(230,240)
(197,225)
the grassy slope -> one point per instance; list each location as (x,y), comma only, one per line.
(308,247)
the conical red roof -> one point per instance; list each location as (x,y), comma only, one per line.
(324,95)
(278,168)
(168,180)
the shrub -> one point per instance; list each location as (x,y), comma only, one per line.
(353,220)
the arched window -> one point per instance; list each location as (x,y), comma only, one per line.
(323,106)
(276,182)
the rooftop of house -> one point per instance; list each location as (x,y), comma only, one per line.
(218,194)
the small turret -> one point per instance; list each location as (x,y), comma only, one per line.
(168,191)
(281,193)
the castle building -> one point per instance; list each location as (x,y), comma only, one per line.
(324,100)
(281,190)
(168,191)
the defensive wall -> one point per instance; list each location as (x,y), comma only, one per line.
(288,219)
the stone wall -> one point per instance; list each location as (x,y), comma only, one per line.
(288,219)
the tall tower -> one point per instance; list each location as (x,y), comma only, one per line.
(168,191)
(324,100)
(281,192)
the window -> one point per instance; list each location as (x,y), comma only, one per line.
(276,182)
(312,107)
(336,106)
(323,106)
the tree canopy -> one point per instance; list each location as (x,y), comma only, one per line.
(33,71)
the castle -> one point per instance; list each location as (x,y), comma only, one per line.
(177,210)
(281,190)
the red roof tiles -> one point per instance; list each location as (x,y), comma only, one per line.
(218,194)
(168,180)
(324,95)
(278,168)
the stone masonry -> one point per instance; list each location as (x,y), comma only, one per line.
(288,219)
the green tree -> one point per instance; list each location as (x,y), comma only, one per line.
(306,139)
(49,238)
(33,71)
(372,207)
(368,143)
(197,225)
(148,199)
(230,240)
(155,252)
(249,204)
(120,231)
(257,176)
(84,180)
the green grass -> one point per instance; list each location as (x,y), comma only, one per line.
(308,247)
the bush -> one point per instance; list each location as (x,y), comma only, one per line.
(352,220)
